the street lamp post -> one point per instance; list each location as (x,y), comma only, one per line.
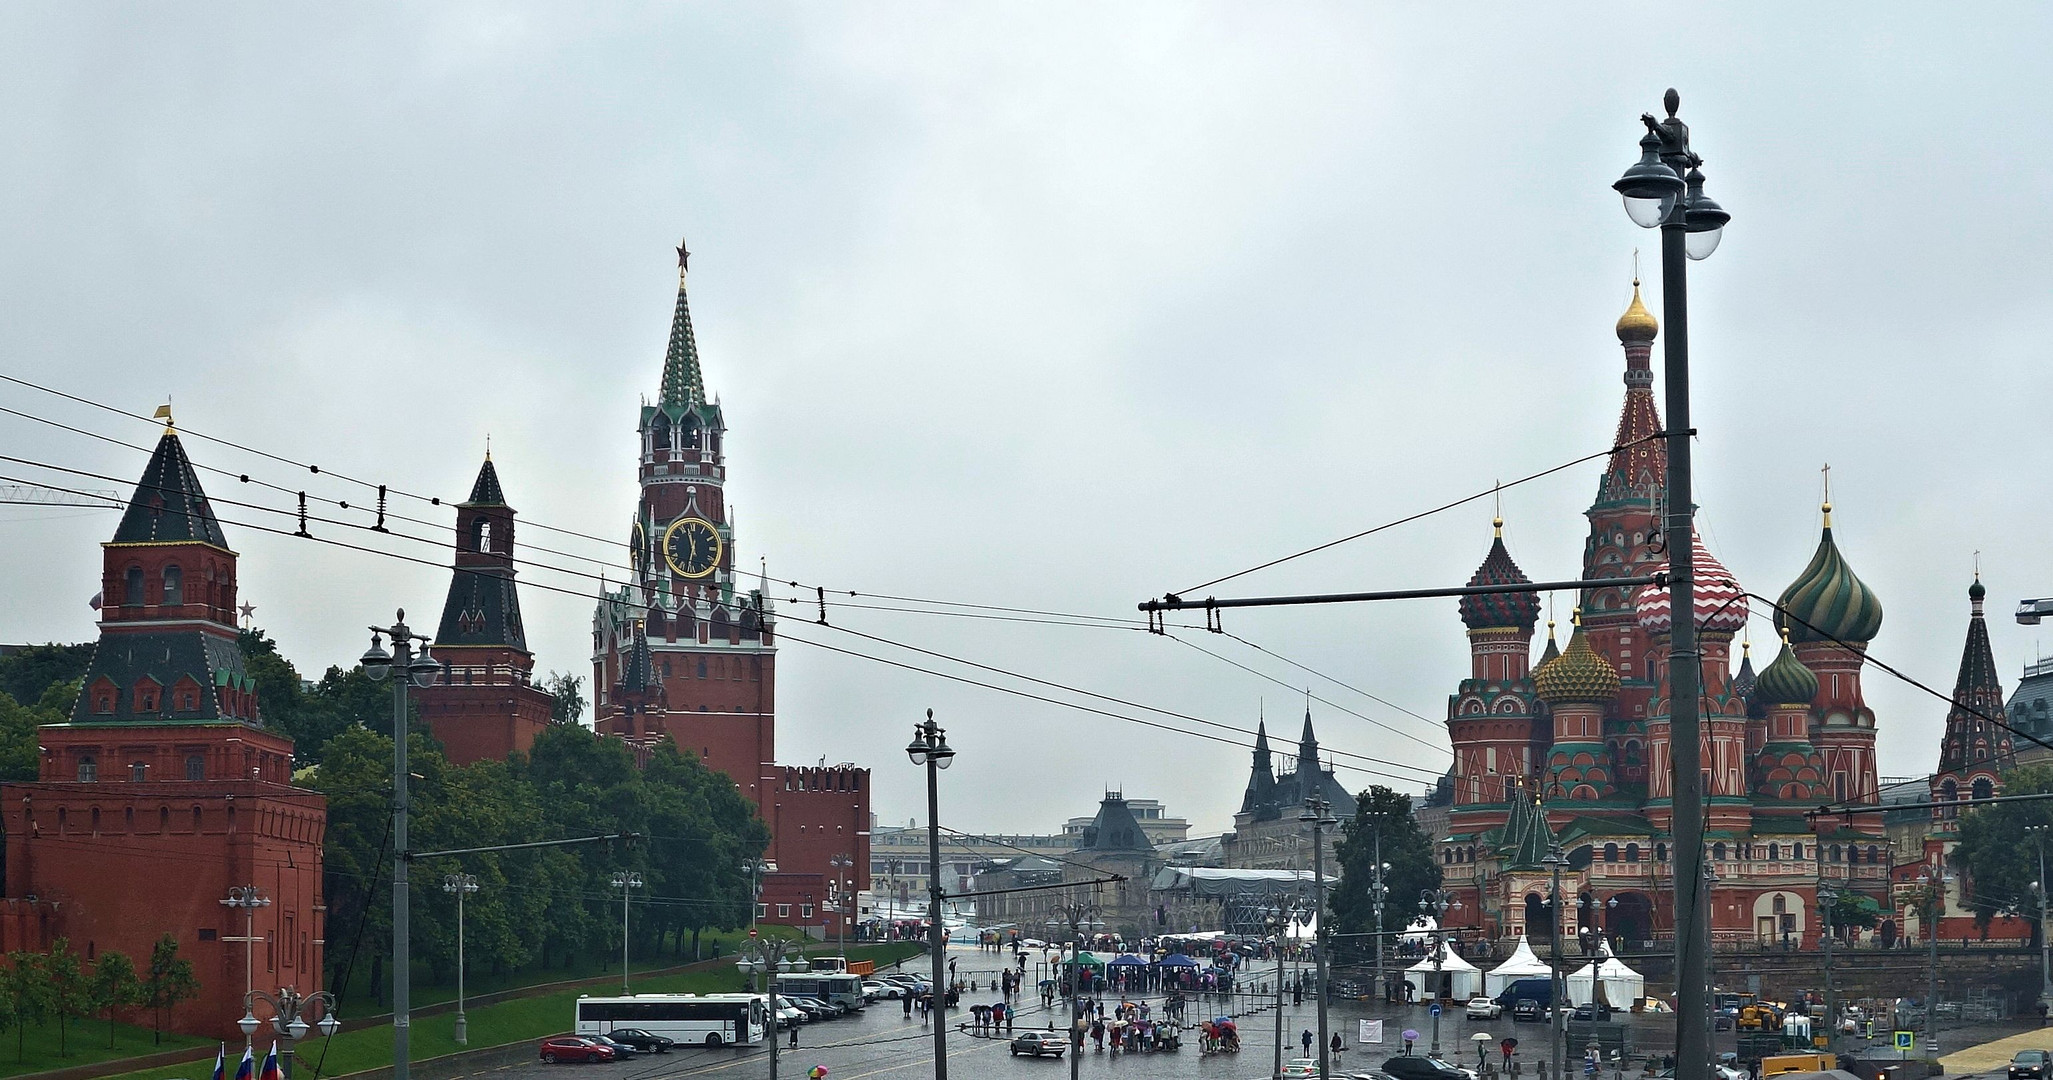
(771,958)
(1437,903)
(460,885)
(247,899)
(929,747)
(1318,814)
(1665,189)
(286,1021)
(418,669)
(626,881)
(844,901)
(1377,891)
(1934,904)
(1828,895)
(2038,833)
(1554,860)
(1078,918)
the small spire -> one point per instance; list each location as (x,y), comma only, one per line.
(1497,518)
(164,413)
(1826,504)
(488,446)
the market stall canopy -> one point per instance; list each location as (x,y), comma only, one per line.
(1521,965)
(1449,977)
(1087,960)
(1177,960)
(1127,960)
(1621,985)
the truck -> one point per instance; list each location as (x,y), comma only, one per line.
(1797,1063)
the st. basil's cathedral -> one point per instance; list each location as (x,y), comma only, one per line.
(1573,748)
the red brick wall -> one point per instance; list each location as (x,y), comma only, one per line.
(815,814)
(484,722)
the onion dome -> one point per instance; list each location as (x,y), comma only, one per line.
(1499,611)
(1786,681)
(1720,602)
(1827,601)
(1637,324)
(1976,592)
(1578,675)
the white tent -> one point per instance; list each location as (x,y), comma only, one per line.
(1456,979)
(1420,932)
(1622,985)
(1522,965)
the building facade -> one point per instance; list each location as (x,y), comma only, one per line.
(486,706)
(1267,833)
(686,651)
(166,775)
(1575,748)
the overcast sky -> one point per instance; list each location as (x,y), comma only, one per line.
(1053,306)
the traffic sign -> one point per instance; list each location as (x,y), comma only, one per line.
(1436,1009)
(1906,1041)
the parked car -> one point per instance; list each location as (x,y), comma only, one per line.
(1409,1067)
(2030,1065)
(1528,1009)
(1299,1068)
(1039,1043)
(620,1049)
(572,1048)
(1482,1008)
(645,1041)
(807,1001)
(1590,1010)
(789,1016)
(814,1010)
(874,990)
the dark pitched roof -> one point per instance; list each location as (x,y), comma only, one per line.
(682,383)
(1261,781)
(127,659)
(169,507)
(1970,738)
(1115,828)
(640,672)
(485,492)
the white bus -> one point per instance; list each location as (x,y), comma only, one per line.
(691,1019)
(845,990)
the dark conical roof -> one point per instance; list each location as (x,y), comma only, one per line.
(485,492)
(640,671)
(1261,781)
(1115,828)
(1971,737)
(682,383)
(1527,837)
(169,507)
(1308,746)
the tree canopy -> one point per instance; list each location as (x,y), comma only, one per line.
(1385,814)
(2001,859)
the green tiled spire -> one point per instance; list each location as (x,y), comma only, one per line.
(682,384)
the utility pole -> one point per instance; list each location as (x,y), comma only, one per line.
(929,747)
(2038,833)
(1553,861)
(626,881)
(422,670)
(1317,815)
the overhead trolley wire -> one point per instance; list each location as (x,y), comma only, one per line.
(1179,639)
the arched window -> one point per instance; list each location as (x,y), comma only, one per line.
(1982,789)
(691,434)
(1632,853)
(1874,854)
(1610,852)
(132,587)
(88,772)
(1835,853)
(174,586)
(1781,904)
(1660,852)
(1774,852)
(481,535)
(1718,851)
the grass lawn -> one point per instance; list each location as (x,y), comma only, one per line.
(85,1041)
(510,1021)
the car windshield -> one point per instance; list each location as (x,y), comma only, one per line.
(2030,1057)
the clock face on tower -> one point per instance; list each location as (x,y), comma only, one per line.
(692,547)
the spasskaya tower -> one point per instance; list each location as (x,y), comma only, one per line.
(681,650)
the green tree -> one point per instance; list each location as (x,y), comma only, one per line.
(568,690)
(169,981)
(1385,814)
(27,987)
(114,987)
(69,991)
(2001,859)
(30,671)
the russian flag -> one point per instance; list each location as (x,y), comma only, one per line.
(221,1063)
(247,1070)
(271,1066)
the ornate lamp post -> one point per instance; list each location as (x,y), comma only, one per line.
(626,881)
(1077,917)
(1931,907)
(286,1019)
(460,885)
(1554,860)
(1665,190)
(1377,892)
(929,747)
(418,669)
(247,899)
(842,899)
(1828,896)
(762,957)
(1437,903)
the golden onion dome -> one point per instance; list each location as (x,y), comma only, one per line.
(1637,324)
(1578,675)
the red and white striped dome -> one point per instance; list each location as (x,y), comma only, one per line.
(1720,603)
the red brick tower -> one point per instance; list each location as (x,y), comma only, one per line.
(1490,716)
(1974,751)
(164,790)
(487,707)
(712,652)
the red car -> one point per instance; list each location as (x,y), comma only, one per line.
(572,1048)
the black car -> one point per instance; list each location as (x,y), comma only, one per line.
(2031,1065)
(1590,1010)
(1527,1009)
(1407,1067)
(620,1049)
(646,1042)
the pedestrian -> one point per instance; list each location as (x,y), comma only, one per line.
(1305,1040)
(1336,1046)
(794,1036)
(906,999)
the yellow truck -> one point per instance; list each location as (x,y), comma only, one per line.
(1797,1063)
